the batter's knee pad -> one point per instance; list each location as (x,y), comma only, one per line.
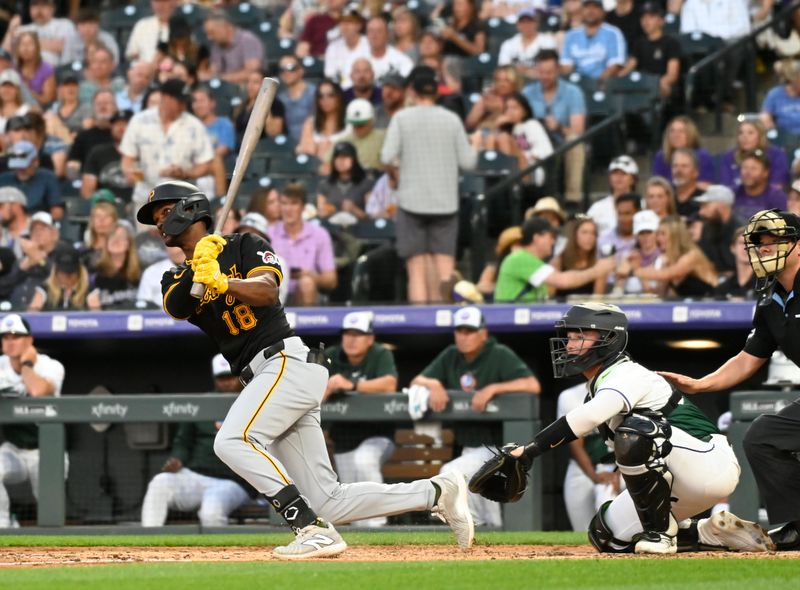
(601,537)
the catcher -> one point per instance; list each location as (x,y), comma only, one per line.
(674,461)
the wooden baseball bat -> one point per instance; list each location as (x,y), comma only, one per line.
(252,135)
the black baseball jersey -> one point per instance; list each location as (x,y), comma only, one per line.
(240,330)
(776,324)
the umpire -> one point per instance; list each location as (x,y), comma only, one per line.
(773,441)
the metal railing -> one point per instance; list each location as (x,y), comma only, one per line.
(715,59)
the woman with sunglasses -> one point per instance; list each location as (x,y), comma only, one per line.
(326,125)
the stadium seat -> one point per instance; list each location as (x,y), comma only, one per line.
(300,165)
(280,145)
(246,15)
(494,163)
(193,14)
(417,456)
(378,277)
(498,30)
(227,95)
(120,21)
(638,91)
(550,24)
(478,70)
(314,68)
(672,24)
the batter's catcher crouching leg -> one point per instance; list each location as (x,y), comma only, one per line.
(271,436)
(674,461)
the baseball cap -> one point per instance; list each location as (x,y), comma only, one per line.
(360,111)
(11,194)
(652,8)
(177,89)
(10,76)
(220,367)
(67,259)
(352,12)
(255,221)
(393,79)
(716,193)
(625,163)
(597,2)
(468,317)
(344,148)
(425,84)
(534,226)
(5,55)
(18,122)
(14,323)
(646,220)
(68,76)
(102,195)
(21,155)
(358,321)
(42,217)
(547,204)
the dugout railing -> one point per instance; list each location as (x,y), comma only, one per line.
(518,414)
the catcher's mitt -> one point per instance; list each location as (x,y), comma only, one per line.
(503,478)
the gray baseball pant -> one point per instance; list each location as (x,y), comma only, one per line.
(272,437)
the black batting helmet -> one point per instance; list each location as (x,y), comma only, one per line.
(192,205)
(609,320)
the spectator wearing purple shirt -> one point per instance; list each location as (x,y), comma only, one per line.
(752,135)
(755,193)
(235,53)
(682,133)
(306,248)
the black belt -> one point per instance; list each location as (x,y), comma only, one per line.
(315,355)
(246,376)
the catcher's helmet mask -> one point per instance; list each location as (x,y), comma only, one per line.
(609,321)
(191,205)
(784,228)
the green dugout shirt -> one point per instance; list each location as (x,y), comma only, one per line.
(521,278)
(496,363)
(378,362)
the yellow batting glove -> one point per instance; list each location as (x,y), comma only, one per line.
(207,272)
(209,247)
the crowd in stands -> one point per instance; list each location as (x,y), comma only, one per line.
(384,109)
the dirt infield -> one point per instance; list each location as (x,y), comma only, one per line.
(26,557)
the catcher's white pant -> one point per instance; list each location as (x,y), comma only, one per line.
(16,466)
(272,438)
(364,463)
(187,491)
(704,473)
(582,497)
(484,512)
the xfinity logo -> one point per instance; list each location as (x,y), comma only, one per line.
(173,409)
(336,408)
(395,407)
(101,410)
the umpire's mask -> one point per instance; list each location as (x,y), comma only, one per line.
(784,230)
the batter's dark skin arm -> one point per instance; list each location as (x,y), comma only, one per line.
(259,290)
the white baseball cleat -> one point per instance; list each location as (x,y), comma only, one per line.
(453,507)
(727,530)
(659,543)
(311,542)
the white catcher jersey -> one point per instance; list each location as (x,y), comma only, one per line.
(11,384)
(622,387)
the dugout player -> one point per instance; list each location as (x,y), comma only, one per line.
(674,461)
(773,440)
(271,436)
(24,372)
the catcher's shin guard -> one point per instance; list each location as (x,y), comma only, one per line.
(602,538)
(641,444)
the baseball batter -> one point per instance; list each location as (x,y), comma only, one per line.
(674,462)
(271,436)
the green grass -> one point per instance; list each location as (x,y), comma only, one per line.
(256,540)
(619,574)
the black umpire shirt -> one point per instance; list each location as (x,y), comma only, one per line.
(777,324)
(240,330)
